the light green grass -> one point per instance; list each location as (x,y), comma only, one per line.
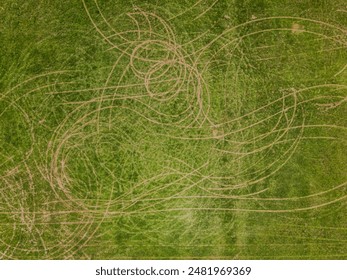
(199,130)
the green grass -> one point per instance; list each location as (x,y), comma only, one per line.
(199,130)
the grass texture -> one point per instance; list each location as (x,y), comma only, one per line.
(204,129)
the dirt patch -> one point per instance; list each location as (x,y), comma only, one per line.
(297,28)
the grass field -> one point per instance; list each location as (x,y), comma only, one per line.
(204,129)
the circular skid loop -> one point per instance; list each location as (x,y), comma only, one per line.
(87,160)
